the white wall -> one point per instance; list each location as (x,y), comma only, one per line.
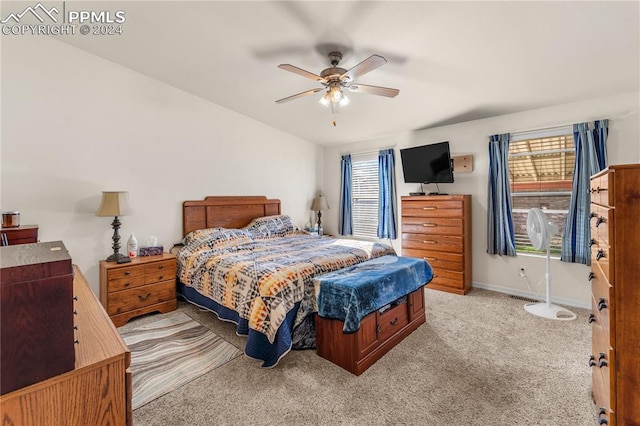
(74,125)
(569,280)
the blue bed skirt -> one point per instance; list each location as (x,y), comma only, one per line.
(258,346)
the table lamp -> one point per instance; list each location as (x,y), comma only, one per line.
(115,203)
(319,204)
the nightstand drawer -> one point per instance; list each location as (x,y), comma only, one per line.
(127,300)
(125,283)
(159,271)
(125,272)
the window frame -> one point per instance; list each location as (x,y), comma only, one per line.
(357,198)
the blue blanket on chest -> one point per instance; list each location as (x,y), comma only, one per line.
(352,293)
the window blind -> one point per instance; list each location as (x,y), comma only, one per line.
(364,184)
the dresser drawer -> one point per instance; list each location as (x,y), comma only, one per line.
(437,259)
(600,193)
(447,278)
(602,302)
(442,243)
(393,320)
(603,362)
(432,208)
(128,300)
(159,271)
(602,255)
(432,226)
(602,219)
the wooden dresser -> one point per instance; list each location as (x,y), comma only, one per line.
(25,234)
(146,284)
(615,284)
(96,392)
(437,228)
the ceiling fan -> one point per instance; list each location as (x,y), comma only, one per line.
(336,79)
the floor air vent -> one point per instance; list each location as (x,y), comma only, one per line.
(524,299)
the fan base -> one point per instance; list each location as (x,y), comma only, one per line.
(550,311)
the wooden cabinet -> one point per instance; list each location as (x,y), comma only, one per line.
(437,228)
(36,313)
(615,271)
(25,234)
(378,333)
(146,284)
(96,392)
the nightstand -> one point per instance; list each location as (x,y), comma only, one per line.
(146,284)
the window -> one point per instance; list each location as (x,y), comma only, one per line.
(364,195)
(541,175)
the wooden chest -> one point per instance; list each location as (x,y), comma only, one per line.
(36,313)
(379,332)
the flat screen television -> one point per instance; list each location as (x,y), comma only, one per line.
(427,164)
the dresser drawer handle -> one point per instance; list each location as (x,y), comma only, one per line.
(429,225)
(592,215)
(591,276)
(592,242)
(602,360)
(394,322)
(429,208)
(127,272)
(592,318)
(429,242)
(602,420)
(143,298)
(602,304)
(592,361)
(600,254)
(599,221)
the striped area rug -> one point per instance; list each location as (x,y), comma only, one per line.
(170,352)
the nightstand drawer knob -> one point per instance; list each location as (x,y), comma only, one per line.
(160,277)
(143,298)
(161,266)
(127,272)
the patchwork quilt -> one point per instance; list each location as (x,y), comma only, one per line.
(264,269)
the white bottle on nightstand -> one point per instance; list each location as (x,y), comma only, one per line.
(132,246)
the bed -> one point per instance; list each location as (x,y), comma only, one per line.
(249,264)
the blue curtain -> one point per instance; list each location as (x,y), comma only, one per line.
(591,157)
(346,218)
(500,232)
(387,211)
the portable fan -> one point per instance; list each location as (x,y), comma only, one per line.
(540,231)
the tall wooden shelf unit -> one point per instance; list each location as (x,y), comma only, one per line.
(615,271)
(437,228)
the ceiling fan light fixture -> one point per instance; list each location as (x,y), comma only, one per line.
(344,101)
(325,100)
(335,93)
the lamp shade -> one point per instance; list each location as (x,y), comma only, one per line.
(320,203)
(114,203)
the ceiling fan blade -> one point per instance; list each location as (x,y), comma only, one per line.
(299,95)
(300,71)
(369,64)
(374,90)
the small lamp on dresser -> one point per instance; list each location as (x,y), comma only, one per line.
(319,204)
(115,203)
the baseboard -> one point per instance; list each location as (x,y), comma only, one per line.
(530,295)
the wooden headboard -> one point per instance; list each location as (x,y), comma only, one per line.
(227,212)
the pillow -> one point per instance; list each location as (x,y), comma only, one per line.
(271,226)
(198,234)
(217,237)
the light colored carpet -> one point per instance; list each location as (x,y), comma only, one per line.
(480,359)
(169,352)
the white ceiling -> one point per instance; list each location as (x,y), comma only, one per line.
(451,61)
